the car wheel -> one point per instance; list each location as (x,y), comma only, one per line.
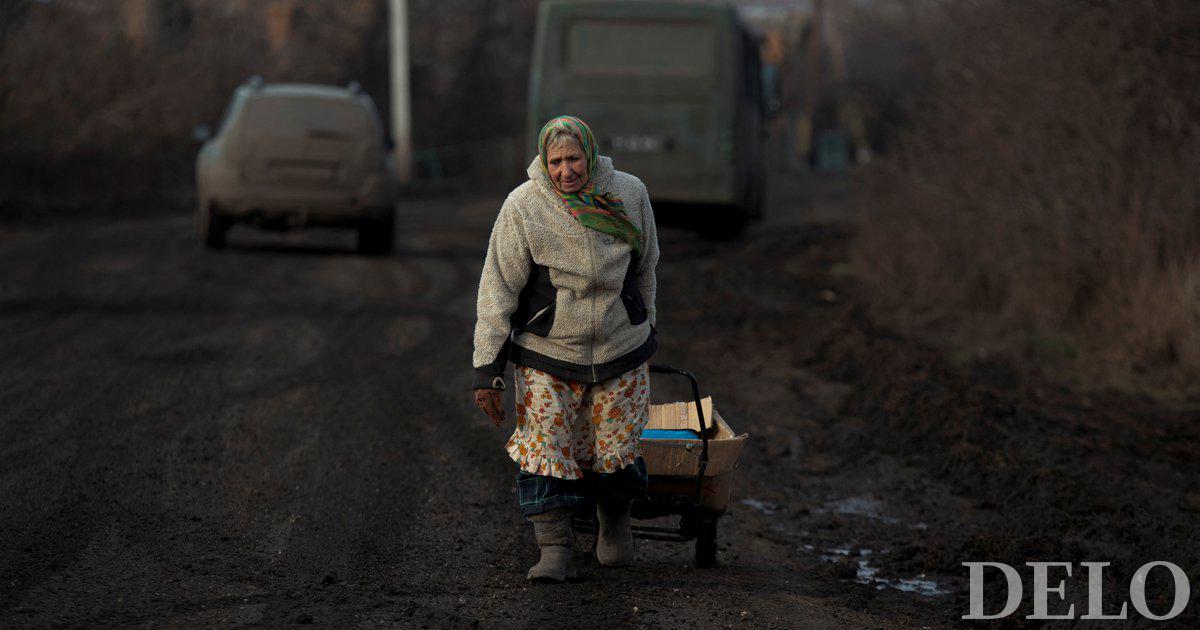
(757,197)
(211,226)
(377,236)
(725,223)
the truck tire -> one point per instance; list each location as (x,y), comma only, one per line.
(377,236)
(756,197)
(725,224)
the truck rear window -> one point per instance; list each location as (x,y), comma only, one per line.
(640,48)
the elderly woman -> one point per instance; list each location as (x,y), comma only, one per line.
(567,295)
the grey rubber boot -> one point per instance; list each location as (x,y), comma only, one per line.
(614,544)
(556,539)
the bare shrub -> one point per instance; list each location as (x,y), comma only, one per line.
(887,68)
(1045,201)
(98,107)
(98,99)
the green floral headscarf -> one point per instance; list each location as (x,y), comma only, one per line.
(599,211)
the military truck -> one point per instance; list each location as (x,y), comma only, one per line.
(673,91)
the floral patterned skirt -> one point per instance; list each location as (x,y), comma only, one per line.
(565,427)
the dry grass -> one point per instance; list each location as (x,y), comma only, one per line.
(1045,202)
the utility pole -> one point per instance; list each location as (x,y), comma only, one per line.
(805,128)
(401,110)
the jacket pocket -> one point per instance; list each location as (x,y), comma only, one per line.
(635,306)
(535,304)
(541,322)
(631,295)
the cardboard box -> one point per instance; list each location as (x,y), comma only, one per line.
(682,457)
(714,491)
(673,464)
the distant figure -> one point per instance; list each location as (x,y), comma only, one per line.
(567,295)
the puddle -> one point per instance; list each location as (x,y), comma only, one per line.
(765,507)
(868,507)
(920,586)
(858,506)
(867,574)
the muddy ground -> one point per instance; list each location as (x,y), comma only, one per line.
(281,433)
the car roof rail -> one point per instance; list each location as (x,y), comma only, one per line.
(255,81)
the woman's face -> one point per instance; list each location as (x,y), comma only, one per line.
(567,166)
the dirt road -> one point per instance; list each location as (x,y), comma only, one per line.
(282,433)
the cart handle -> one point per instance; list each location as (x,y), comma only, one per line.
(667,369)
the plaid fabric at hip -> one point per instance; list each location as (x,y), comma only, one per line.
(542,493)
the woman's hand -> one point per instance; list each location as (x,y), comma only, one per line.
(491,401)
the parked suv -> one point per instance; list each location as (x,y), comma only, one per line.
(293,155)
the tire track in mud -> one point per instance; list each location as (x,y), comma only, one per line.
(357,511)
(246,435)
(768,581)
(397,552)
(283,433)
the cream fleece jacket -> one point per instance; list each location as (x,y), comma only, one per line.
(560,297)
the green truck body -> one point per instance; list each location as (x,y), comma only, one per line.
(672,91)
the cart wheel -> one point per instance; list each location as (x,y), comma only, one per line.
(706,542)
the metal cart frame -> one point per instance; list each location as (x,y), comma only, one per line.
(696,522)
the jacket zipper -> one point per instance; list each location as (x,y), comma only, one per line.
(537,316)
(592,252)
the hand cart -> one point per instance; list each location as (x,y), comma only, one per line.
(691,498)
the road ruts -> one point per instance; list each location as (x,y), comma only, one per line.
(281,433)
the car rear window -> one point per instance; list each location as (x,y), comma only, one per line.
(287,116)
